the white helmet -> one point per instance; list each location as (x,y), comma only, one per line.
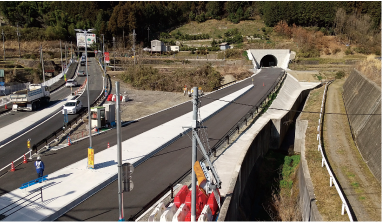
(38,158)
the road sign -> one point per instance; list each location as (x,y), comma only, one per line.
(2,84)
(95,51)
(90,158)
(107,57)
(127,171)
(29,144)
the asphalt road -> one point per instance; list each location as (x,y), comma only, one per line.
(151,177)
(17,148)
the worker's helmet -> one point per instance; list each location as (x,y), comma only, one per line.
(38,158)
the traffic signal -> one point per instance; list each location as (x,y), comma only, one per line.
(127,171)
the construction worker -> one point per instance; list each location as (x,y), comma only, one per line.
(184,90)
(39,167)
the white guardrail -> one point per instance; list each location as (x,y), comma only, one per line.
(22,86)
(325,162)
(50,81)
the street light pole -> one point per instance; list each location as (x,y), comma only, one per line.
(87,82)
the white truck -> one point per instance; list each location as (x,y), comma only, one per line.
(30,99)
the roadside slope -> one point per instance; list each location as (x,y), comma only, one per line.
(361,188)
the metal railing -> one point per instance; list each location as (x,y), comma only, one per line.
(244,120)
(324,162)
(61,131)
(17,205)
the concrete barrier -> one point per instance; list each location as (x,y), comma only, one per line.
(361,96)
(308,205)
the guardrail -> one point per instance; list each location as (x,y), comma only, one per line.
(61,131)
(216,88)
(332,179)
(275,86)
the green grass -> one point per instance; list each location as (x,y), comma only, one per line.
(355,185)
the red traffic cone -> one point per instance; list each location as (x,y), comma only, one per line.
(69,143)
(25,159)
(263,83)
(13,167)
(6,107)
(108,145)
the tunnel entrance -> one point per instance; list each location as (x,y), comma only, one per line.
(268,61)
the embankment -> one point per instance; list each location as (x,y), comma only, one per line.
(362,100)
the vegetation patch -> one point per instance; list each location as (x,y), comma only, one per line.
(148,78)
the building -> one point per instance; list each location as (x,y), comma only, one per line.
(157,46)
(174,48)
(223,46)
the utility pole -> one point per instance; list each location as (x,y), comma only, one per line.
(123,38)
(194,153)
(148,35)
(134,43)
(2,33)
(18,39)
(114,51)
(42,62)
(119,154)
(66,61)
(62,64)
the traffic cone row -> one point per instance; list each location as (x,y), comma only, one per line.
(13,167)
(25,159)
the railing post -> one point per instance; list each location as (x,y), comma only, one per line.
(42,200)
(172,191)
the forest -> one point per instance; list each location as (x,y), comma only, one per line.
(51,20)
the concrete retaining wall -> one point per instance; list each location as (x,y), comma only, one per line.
(361,96)
(237,203)
(237,206)
(308,205)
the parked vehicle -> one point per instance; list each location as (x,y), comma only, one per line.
(31,98)
(72,106)
(71,83)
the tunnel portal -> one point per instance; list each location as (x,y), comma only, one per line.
(268,61)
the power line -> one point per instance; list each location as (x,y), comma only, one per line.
(345,114)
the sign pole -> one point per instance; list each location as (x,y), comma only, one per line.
(119,154)
(29,147)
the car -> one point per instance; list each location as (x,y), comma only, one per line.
(71,83)
(72,106)
(81,72)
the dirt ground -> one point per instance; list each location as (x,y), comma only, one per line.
(144,102)
(361,188)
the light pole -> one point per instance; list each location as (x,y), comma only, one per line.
(87,83)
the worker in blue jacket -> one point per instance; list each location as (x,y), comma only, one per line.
(39,167)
